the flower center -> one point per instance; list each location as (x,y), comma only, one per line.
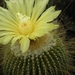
(25,27)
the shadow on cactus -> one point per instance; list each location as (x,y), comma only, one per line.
(32,47)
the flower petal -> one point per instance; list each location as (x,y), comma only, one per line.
(11,6)
(48,26)
(49,15)
(52,26)
(6,26)
(3,33)
(41,30)
(24,42)
(29,7)
(15,39)
(22,6)
(38,33)
(41,25)
(6,39)
(6,15)
(39,7)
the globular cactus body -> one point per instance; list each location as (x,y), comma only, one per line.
(53,61)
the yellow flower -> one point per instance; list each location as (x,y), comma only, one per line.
(26,20)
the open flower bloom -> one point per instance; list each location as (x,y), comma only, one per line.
(26,20)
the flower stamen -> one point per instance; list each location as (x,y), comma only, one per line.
(25,26)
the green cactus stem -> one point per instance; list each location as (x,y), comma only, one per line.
(51,61)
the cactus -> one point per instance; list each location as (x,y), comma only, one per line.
(32,46)
(51,61)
